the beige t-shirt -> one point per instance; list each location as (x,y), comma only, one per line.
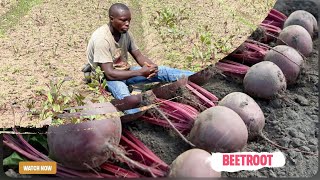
(102,48)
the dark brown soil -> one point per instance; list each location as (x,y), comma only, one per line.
(290,121)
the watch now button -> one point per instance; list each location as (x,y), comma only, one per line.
(35,167)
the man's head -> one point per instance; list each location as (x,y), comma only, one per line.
(120,17)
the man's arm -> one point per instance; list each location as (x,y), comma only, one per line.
(141,59)
(144,61)
(114,74)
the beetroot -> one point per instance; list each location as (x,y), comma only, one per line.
(297,37)
(249,111)
(265,80)
(84,145)
(193,163)
(288,60)
(219,129)
(304,19)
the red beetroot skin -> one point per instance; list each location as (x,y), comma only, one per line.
(82,146)
(193,163)
(265,80)
(304,19)
(297,37)
(249,111)
(219,129)
(288,60)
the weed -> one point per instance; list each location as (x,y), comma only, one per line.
(56,102)
(98,84)
(168,23)
(32,81)
(16,70)
(223,45)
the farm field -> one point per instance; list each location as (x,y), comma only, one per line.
(49,40)
(47,43)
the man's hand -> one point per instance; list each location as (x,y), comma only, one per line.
(154,69)
(148,71)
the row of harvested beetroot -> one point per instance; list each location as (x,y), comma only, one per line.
(103,148)
(267,70)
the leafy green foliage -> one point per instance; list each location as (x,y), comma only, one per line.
(57,101)
(37,139)
(13,159)
(169,24)
(99,84)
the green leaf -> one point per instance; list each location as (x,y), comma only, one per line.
(39,139)
(66,100)
(104,84)
(56,107)
(50,99)
(58,122)
(13,160)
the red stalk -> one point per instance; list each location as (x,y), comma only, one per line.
(230,68)
(254,47)
(278,13)
(235,65)
(146,156)
(270,30)
(276,17)
(259,44)
(190,109)
(271,27)
(182,127)
(203,91)
(173,114)
(173,106)
(273,23)
(251,53)
(118,171)
(62,171)
(208,102)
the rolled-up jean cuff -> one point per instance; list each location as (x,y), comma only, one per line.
(132,111)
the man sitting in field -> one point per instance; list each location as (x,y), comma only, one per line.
(108,48)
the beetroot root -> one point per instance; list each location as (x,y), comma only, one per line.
(219,129)
(84,145)
(265,80)
(304,19)
(288,60)
(297,37)
(249,111)
(193,163)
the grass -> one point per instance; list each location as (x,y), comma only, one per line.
(12,17)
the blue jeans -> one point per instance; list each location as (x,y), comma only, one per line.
(119,89)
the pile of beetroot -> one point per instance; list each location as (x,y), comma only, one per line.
(273,57)
(266,63)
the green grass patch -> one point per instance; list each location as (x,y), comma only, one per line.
(12,17)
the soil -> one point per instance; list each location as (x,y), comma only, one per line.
(290,121)
(49,43)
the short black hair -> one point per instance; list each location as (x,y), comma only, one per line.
(115,8)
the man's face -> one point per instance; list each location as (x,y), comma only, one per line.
(121,21)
